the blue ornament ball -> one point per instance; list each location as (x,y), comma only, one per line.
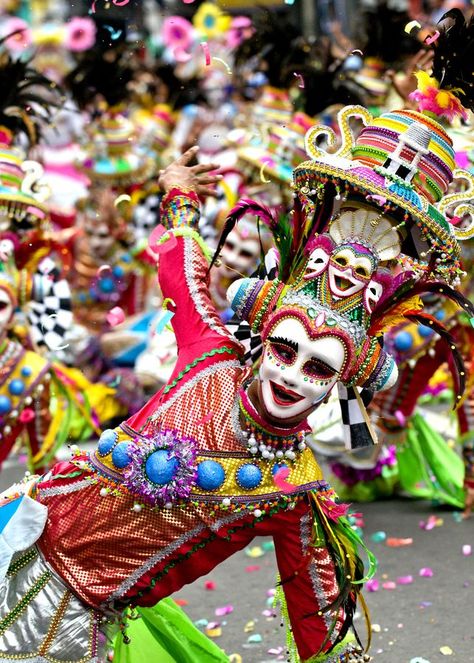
(16,387)
(107,441)
(118,271)
(278,466)
(210,475)
(121,456)
(5,404)
(249,476)
(440,315)
(403,341)
(26,371)
(425,331)
(159,468)
(106,284)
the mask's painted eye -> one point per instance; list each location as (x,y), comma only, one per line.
(245,253)
(316,368)
(341,260)
(229,245)
(362,271)
(3,306)
(283,352)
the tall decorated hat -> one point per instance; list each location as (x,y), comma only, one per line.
(404,161)
(113,154)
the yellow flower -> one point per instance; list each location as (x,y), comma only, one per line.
(210,21)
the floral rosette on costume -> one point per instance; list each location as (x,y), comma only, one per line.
(163,470)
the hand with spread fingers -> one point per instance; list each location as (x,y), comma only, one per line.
(195,178)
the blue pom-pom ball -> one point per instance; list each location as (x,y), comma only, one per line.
(121,456)
(249,476)
(159,468)
(210,475)
(107,441)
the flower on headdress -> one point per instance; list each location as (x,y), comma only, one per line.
(210,21)
(431,98)
(177,33)
(80,34)
(240,29)
(20,34)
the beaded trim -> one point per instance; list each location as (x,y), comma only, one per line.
(64,490)
(194,291)
(194,363)
(190,384)
(22,605)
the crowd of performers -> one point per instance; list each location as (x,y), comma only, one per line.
(225,253)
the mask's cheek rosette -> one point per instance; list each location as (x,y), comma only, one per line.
(162,470)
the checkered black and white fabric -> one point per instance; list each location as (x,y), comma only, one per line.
(356,426)
(241,328)
(146,216)
(49,312)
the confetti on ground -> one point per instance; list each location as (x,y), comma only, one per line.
(376,628)
(467,550)
(389,585)
(378,537)
(426,572)
(446,651)
(224,610)
(251,568)
(201,623)
(275,651)
(254,552)
(254,639)
(249,626)
(181,602)
(418,659)
(213,630)
(268,545)
(209,585)
(431,523)
(405,580)
(425,604)
(398,543)
(372,585)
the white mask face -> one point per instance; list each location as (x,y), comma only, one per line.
(239,255)
(317,263)
(297,372)
(101,239)
(6,310)
(349,271)
(372,295)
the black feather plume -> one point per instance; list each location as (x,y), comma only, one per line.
(27,98)
(454,56)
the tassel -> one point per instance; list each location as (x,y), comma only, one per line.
(280,480)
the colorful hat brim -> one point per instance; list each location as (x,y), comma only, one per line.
(428,219)
(120,177)
(26,205)
(266,164)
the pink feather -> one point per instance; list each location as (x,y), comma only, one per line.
(280,480)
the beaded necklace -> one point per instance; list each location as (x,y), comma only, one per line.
(267,441)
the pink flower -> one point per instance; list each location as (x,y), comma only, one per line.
(240,29)
(27,415)
(21,40)
(80,34)
(177,33)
